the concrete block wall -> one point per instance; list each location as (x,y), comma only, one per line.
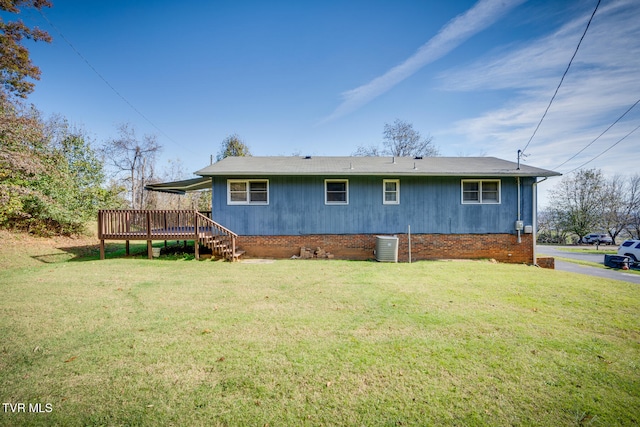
(501,247)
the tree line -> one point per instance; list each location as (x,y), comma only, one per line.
(50,178)
(54,178)
(588,202)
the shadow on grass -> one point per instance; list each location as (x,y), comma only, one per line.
(170,252)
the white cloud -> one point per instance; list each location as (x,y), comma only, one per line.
(455,32)
(603,82)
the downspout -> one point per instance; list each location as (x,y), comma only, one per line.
(534,222)
(519,203)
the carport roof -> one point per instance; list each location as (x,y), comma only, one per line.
(181,187)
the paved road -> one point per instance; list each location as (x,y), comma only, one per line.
(554,251)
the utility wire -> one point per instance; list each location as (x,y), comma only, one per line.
(109,84)
(610,147)
(562,79)
(605,131)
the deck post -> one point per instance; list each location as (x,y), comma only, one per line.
(149,251)
(126,248)
(233,248)
(100,231)
(196,236)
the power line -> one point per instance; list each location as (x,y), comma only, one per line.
(107,82)
(562,79)
(605,131)
(610,147)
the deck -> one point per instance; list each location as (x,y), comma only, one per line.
(150,225)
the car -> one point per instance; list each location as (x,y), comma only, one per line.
(603,239)
(630,248)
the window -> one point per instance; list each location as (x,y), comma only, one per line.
(481,191)
(391,191)
(336,192)
(248,192)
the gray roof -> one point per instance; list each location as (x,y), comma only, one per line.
(378,166)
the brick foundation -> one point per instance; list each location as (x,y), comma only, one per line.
(501,247)
(546,262)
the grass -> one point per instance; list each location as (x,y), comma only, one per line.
(591,250)
(139,342)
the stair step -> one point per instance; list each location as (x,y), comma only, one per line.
(217,238)
(221,246)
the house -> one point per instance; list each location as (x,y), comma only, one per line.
(453,207)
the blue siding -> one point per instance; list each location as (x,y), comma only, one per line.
(428,204)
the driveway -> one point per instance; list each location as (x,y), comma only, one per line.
(555,252)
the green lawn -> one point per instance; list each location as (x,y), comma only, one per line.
(604,250)
(183,343)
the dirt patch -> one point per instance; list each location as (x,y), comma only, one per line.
(257,261)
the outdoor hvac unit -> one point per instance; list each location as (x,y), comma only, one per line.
(387,248)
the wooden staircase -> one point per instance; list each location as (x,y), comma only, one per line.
(220,240)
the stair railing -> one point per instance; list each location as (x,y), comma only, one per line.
(215,230)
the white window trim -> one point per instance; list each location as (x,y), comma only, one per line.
(480,201)
(384,192)
(248,182)
(346,181)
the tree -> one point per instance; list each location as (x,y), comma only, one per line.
(50,178)
(551,227)
(633,226)
(233,146)
(621,199)
(80,163)
(400,139)
(579,201)
(175,170)
(135,157)
(15,64)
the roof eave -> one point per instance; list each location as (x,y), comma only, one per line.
(389,174)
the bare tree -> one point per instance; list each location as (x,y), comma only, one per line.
(633,228)
(400,139)
(368,151)
(135,157)
(579,200)
(621,199)
(551,227)
(633,225)
(175,170)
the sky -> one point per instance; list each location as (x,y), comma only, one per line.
(324,77)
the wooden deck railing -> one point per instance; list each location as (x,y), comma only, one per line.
(149,225)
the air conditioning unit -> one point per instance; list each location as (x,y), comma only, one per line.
(387,248)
